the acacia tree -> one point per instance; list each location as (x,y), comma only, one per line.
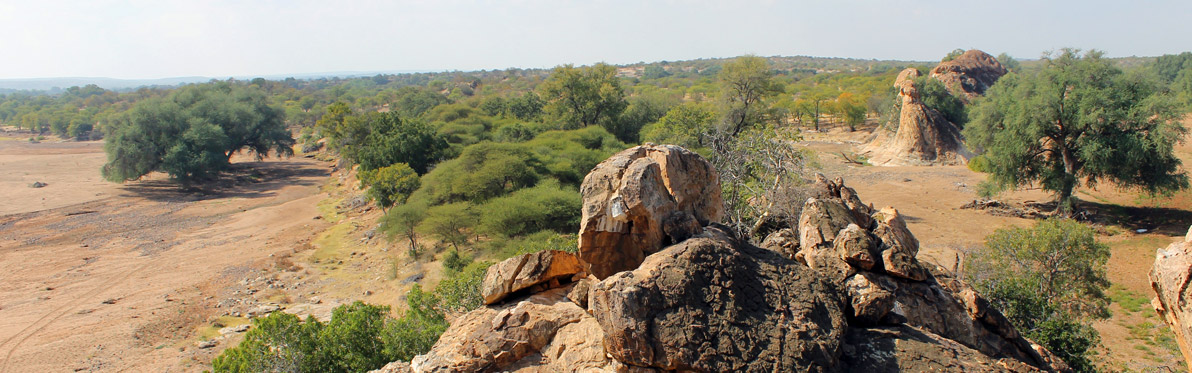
(1078,119)
(746,82)
(584,96)
(192,133)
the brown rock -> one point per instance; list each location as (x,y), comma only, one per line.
(923,137)
(856,247)
(903,348)
(820,221)
(713,304)
(870,300)
(522,335)
(970,74)
(641,200)
(579,292)
(548,268)
(1170,277)
(784,241)
(394,367)
(898,246)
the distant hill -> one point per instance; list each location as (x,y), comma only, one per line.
(53,85)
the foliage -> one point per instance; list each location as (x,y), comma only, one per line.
(546,206)
(979,163)
(760,176)
(192,133)
(583,96)
(449,222)
(403,220)
(358,338)
(952,55)
(746,82)
(936,95)
(453,261)
(482,171)
(389,140)
(1079,118)
(1008,62)
(642,111)
(852,108)
(390,184)
(1048,280)
(683,125)
(506,247)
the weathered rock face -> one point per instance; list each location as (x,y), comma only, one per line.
(1170,278)
(641,200)
(904,348)
(842,291)
(517,335)
(970,74)
(711,304)
(923,137)
(546,269)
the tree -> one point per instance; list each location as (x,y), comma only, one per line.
(1079,118)
(450,222)
(391,184)
(936,95)
(1048,280)
(391,139)
(746,82)
(584,96)
(952,55)
(642,110)
(193,133)
(684,125)
(852,108)
(403,221)
(1008,62)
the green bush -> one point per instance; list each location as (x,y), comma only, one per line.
(546,206)
(505,247)
(1049,281)
(979,163)
(391,184)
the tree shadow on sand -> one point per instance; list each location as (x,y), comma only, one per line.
(244,180)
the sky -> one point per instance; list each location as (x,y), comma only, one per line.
(134,39)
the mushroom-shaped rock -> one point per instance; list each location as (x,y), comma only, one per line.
(548,268)
(712,303)
(644,199)
(969,74)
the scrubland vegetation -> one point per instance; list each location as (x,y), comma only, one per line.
(477,167)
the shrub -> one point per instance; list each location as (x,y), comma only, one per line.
(1048,280)
(391,184)
(979,163)
(546,206)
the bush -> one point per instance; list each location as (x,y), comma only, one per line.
(936,95)
(979,163)
(546,206)
(391,184)
(1049,281)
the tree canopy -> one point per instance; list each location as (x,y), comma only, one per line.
(192,133)
(746,82)
(1078,119)
(584,96)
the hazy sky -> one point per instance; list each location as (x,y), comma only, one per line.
(218,38)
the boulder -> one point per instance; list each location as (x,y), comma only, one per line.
(521,335)
(547,269)
(903,348)
(642,200)
(712,303)
(969,74)
(869,300)
(898,246)
(856,247)
(784,241)
(1170,277)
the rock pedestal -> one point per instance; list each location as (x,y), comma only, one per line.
(1170,277)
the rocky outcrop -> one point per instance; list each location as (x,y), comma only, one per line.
(923,137)
(1170,277)
(841,291)
(642,200)
(712,304)
(545,331)
(970,74)
(544,269)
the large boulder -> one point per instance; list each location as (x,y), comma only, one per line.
(642,200)
(903,348)
(969,74)
(1170,278)
(545,331)
(544,269)
(714,304)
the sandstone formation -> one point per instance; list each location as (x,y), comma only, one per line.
(841,291)
(969,74)
(644,199)
(546,269)
(1170,277)
(923,137)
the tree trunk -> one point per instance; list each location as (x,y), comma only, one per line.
(1066,205)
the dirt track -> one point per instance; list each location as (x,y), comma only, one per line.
(104,277)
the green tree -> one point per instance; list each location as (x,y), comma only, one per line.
(450,222)
(936,95)
(391,184)
(952,55)
(391,139)
(403,220)
(193,133)
(852,108)
(684,125)
(1008,62)
(583,96)
(1049,281)
(745,84)
(1079,118)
